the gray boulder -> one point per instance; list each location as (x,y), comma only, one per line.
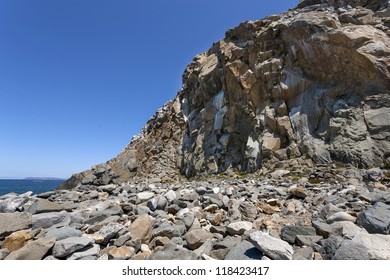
(67,246)
(272,247)
(350,250)
(64,232)
(245,250)
(46,220)
(376,219)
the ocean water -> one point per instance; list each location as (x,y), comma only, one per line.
(22,186)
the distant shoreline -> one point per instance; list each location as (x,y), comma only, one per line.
(43,178)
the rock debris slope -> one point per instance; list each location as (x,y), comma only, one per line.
(311,82)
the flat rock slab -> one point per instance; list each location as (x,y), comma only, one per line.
(70,245)
(376,219)
(173,254)
(64,232)
(44,206)
(11,222)
(46,220)
(289,233)
(91,250)
(272,247)
(34,250)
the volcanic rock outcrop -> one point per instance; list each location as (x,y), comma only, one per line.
(312,82)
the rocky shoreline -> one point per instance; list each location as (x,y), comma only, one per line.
(294,211)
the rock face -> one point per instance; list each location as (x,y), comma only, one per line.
(310,82)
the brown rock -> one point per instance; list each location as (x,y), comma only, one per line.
(299,192)
(197,237)
(121,253)
(141,228)
(34,250)
(266,208)
(11,222)
(17,240)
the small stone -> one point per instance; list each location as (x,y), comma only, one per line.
(122,239)
(322,229)
(11,222)
(188,219)
(272,247)
(307,240)
(169,231)
(17,240)
(159,241)
(239,227)
(145,196)
(170,196)
(197,237)
(267,208)
(121,253)
(67,246)
(109,231)
(299,192)
(248,211)
(340,216)
(91,250)
(214,219)
(34,250)
(145,248)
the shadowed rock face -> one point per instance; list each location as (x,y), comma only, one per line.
(310,82)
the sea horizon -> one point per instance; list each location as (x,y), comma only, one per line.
(35,184)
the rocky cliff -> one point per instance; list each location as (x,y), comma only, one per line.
(313,82)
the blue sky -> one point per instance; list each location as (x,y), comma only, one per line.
(78,78)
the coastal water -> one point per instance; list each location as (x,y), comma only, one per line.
(22,186)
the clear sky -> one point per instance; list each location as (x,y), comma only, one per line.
(78,78)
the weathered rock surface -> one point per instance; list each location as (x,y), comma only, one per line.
(34,250)
(310,82)
(272,247)
(67,246)
(376,219)
(11,222)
